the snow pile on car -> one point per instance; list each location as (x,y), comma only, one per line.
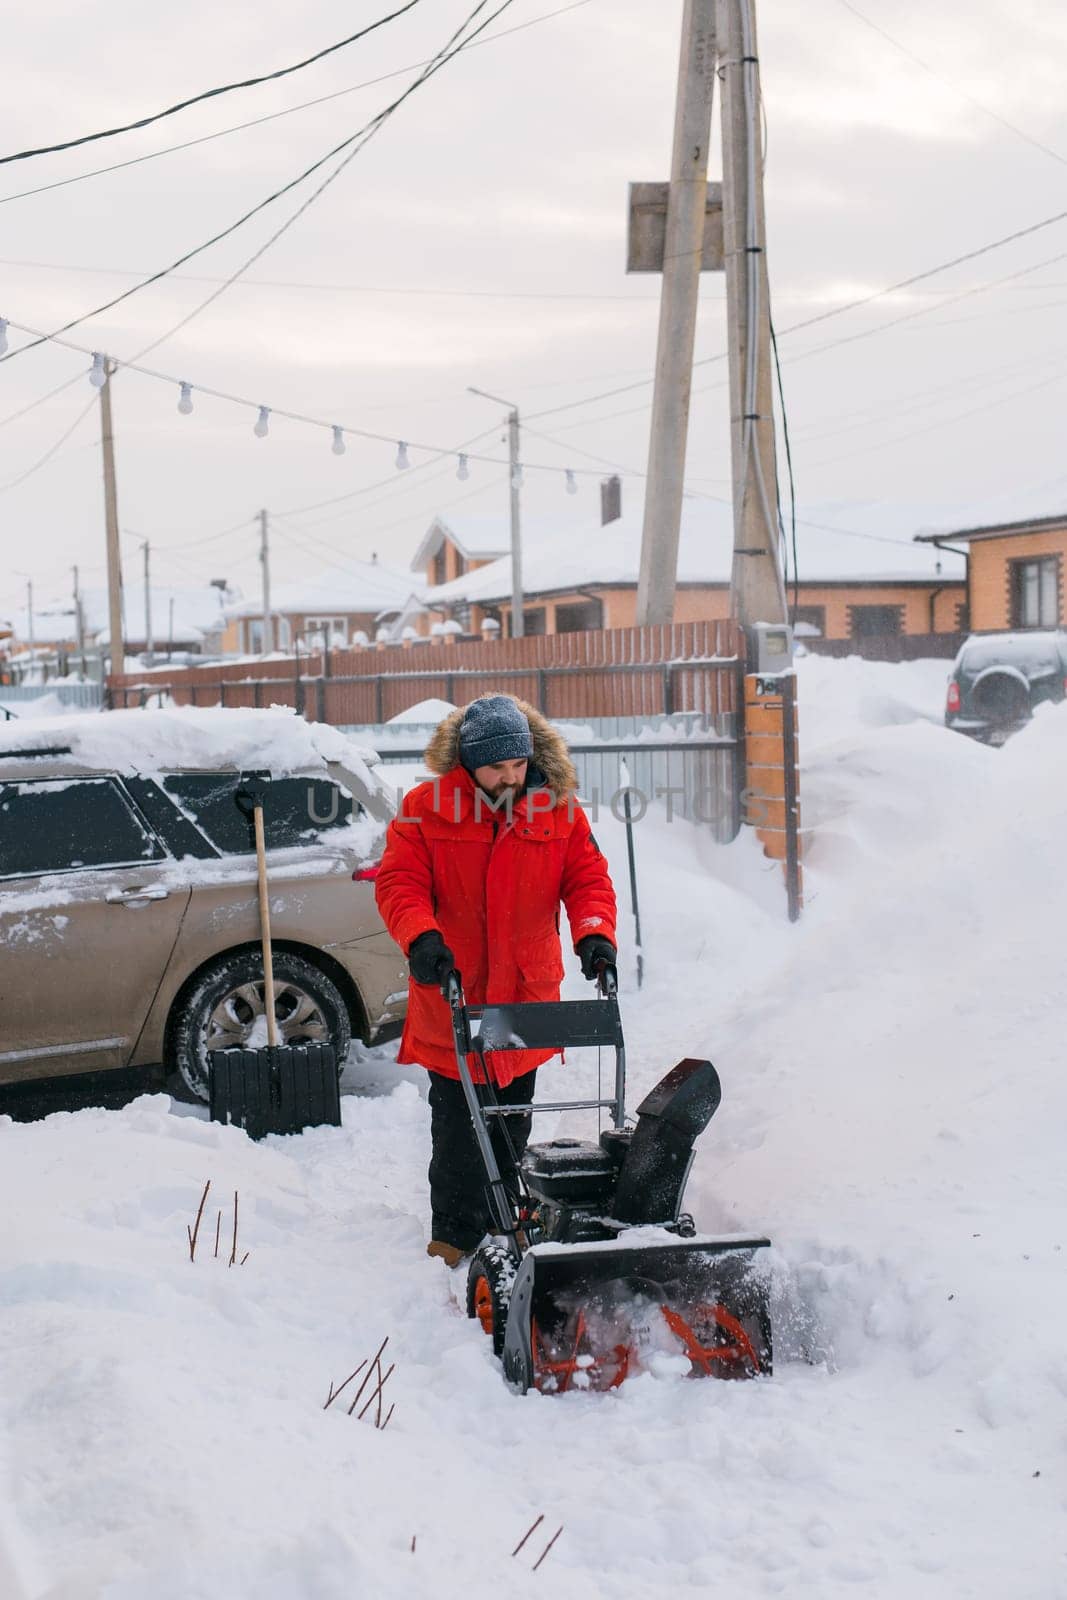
(892,1115)
(276,740)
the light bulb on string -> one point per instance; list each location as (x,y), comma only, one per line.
(402,456)
(571,481)
(463,471)
(338,447)
(3,336)
(98,372)
(262,423)
(185,399)
(516,475)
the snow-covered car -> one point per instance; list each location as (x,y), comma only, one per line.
(998,678)
(129,927)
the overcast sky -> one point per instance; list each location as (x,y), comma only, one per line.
(479,239)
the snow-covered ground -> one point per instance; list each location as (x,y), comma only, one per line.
(892,1115)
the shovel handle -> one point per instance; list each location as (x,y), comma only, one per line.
(264,923)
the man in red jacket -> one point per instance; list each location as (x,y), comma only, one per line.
(475,869)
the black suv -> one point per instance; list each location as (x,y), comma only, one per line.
(998,678)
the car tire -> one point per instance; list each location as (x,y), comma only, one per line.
(224,1006)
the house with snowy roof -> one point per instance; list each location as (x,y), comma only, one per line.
(581,574)
(332,609)
(1015,572)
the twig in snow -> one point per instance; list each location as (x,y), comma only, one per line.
(531,1529)
(375,1362)
(335,1392)
(389,1413)
(377,1394)
(244,1258)
(233,1252)
(195,1229)
(218,1231)
(413,1544)
(547,1548)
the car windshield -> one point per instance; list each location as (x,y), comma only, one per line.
(1033,654)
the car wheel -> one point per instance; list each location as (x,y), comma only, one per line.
(224,1008)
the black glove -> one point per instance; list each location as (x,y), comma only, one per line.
(429,958)
(592,950)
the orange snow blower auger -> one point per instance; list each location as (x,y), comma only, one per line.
(597,1273)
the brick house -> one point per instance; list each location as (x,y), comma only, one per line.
(326,610)
(1015,572)
(577,578)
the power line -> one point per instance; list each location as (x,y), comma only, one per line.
(239,127)
(849,305)
(13,483)
(446,54)
(350,288)
(208,94)
(15,415)
(950,83)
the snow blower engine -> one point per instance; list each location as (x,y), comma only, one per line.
(598,1272)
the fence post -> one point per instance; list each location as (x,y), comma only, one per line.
(450,689)
(542,690)
(379,700)
(320,699)
(668,690)
(222,694)
(257,697)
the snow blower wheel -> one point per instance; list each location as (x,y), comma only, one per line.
(489,1280)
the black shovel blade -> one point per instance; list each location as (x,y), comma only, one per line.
(279,1089)
(588,1316)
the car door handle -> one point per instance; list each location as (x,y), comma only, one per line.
(134,896)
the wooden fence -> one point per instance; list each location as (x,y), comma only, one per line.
(660,670)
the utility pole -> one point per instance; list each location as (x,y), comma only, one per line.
(681,268)
(147,606)
(757,592)
(518,627)
(79,624)
(116,646)
(29,625)
(264,556)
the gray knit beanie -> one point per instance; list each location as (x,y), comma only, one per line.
(493,729)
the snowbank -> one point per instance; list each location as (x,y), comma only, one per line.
(893,1109)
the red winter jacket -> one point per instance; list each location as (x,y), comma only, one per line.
(493,889)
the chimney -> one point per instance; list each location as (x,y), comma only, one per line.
(610,500)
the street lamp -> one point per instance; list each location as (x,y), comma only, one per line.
(515,484)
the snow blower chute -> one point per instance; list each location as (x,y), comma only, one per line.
(598,1273)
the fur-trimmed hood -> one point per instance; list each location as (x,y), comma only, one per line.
(549,749)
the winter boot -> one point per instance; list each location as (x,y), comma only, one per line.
(450,1254)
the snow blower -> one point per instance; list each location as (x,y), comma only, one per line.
(596,1272)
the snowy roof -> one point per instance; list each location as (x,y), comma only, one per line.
(196,612)
(195,737)
(996,530)
(565,557)
(476,537)
(358,587)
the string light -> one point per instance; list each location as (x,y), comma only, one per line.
(516,475)
(185,399)
(402,456)
(572,482)
(338,447)
(3,336)
(262,424)
(463,471)
(98,374)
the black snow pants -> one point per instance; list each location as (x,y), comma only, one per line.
(460,1209)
